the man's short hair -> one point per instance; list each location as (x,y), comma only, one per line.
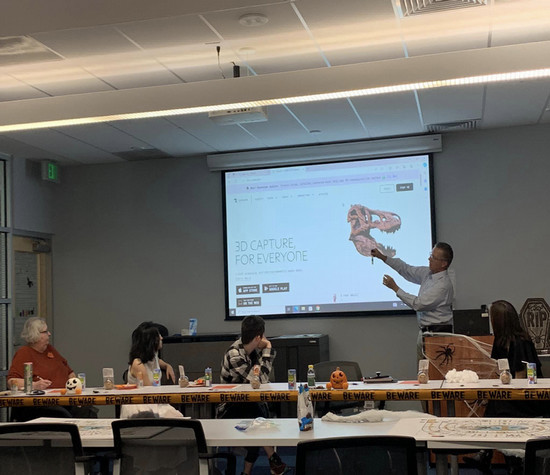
(447,252)
(251,327)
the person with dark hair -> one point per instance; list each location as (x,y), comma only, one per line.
(146,343)
(143,362)
(512,342)
(252,349)
(433,304)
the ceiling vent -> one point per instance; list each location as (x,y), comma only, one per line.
(142,154)
(409,8)
(23,49)
(469,124)
(244,115)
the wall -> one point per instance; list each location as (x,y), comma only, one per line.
(143,241)
(492,204)
(32,198)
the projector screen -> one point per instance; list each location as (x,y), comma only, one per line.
(298,239)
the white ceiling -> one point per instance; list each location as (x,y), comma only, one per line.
(102,53)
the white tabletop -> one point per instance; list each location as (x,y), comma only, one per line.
(442,432)
(521,383)
(222,432)
(473,432)
(285,432)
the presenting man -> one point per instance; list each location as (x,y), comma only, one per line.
(253,348)
(436,294)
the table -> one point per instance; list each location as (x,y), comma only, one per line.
(278,392)
(172,394)
(222,432)
(443,433)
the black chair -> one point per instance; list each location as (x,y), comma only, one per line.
(42,449)
(382,455)
(537,456)
(323,370)
(164,446)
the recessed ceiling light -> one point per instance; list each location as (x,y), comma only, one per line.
(315,132)
(253,19)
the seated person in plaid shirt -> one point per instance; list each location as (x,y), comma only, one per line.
(253,348)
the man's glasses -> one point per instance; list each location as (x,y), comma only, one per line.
(431,256)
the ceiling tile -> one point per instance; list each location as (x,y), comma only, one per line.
(105,137)
(451,104)
(20,149)
(77,86)
(82,42)
(520,22)
(12,89)
(191,73)
(447,31)
(179,32)
(164,135)
(354,31)
(73,149)
(133,71)
(511,103)
(281,129)
(390,114)
(266,65)
(282,40)
(218,137)
(57,79)
(60,14)
(335,120)
(281,21)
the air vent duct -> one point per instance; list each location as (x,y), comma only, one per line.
(408,8)
(468,124)
(141,154)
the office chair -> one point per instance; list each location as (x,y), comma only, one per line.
(163,446)
(366,455)
(42,449)
(537,456)
(323,371)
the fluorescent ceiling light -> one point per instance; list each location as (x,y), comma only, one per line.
(491,65)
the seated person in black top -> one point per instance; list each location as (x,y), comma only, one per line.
(512,342)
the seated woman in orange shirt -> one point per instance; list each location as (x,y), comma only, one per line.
(50,370)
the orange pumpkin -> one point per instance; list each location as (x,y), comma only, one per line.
(338,380)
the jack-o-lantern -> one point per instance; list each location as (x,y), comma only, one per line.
(338,380)
(74,386)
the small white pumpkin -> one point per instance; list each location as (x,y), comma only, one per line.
(73,386)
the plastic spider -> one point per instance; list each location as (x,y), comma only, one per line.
(446,353)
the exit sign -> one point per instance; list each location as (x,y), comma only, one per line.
(50,171)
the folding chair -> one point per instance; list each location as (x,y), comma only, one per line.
(366,455)
(42,449)
(163,446)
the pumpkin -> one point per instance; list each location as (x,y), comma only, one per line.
(74,386)
(338,380)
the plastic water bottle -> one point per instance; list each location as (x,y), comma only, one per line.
(208,377)
(310,376)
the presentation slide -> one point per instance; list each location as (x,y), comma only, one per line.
(298,239)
